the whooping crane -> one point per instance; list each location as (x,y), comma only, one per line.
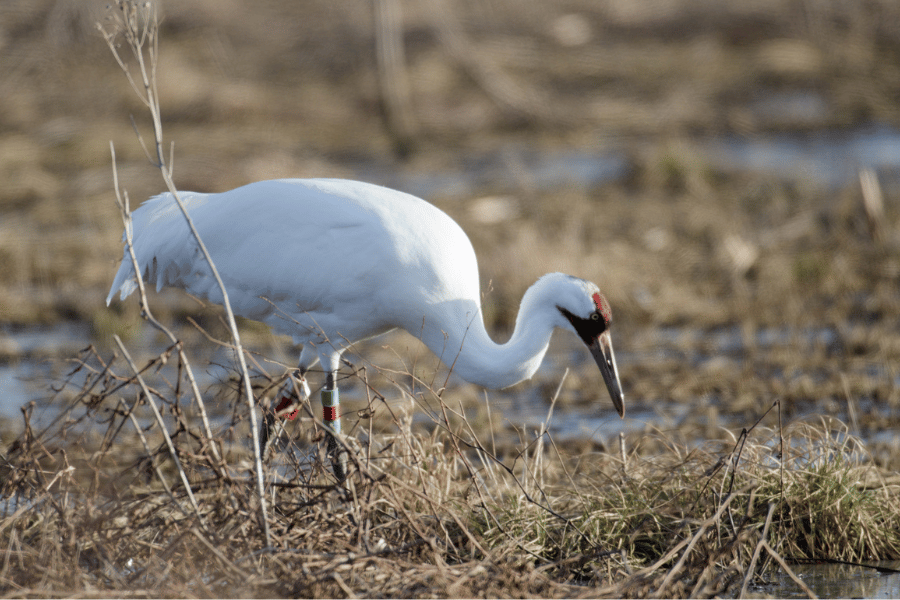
(332,262)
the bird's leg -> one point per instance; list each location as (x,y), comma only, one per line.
(331,416)
(295,391)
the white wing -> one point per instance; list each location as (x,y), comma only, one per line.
(349,258)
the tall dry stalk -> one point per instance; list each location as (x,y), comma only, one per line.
(138,24)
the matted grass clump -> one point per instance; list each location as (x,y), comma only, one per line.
(88,508)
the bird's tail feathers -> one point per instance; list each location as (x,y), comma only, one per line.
(124,281)
(155,227)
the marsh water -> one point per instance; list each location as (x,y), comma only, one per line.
(834,581)
(824,158)
(45,355)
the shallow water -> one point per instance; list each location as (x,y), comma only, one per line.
(833,581)
(44,354)
(826,158)
(28,357)
(511,165)
(831,159)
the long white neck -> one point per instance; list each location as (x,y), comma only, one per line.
(457,335)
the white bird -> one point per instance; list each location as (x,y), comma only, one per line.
(332,262)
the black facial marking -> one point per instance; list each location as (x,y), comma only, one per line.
(587,329)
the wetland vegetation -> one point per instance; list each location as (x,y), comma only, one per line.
(762,308)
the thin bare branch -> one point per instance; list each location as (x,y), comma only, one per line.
(139,25)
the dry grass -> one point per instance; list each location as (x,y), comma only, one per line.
(432,511)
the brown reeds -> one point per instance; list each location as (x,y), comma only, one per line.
(426,511)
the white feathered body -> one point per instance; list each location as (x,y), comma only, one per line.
(319,259)
(331,262)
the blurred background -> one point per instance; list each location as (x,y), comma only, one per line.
(726,172)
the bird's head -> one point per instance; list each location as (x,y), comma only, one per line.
(586,313)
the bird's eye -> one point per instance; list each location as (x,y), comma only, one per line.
(595,316)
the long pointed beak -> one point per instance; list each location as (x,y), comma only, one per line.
(602,351)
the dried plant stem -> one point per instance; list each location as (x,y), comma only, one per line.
(129,410)
(162,427)
(690,543)
(392,76)
(873,203)
(756,551)
(143,38)
(505,91)
(122,202)
(809,593)
(222,558)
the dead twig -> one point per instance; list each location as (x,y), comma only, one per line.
(162,426)
(139,24)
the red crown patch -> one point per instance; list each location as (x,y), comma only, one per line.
(603,307)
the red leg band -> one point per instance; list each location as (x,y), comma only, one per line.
(285,402)
(329,413)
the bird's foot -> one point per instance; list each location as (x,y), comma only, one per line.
(293,395)
(288,408)
(339,458)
